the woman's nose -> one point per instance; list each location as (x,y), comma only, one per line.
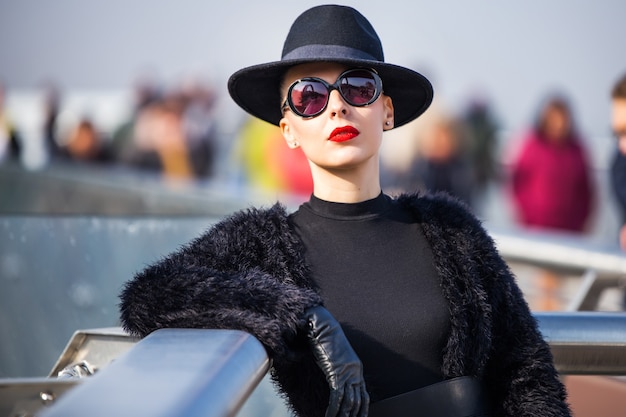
(336,103)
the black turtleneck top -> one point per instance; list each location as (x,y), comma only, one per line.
(375,272)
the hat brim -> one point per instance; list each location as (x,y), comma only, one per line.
(256,89)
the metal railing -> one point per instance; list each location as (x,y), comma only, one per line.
(172,373)
(598,269)
(176,372)
(586,343)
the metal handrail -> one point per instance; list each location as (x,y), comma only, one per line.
(171,373)
(193,372)
(586,343)
(598,268)
(560,250)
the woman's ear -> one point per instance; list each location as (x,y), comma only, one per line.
(285,129)
(388,113)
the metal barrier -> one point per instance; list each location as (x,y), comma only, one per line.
(75,189)
(599,269)
(176,372)
(586,343)
(171,373)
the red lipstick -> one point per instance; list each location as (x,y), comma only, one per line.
(343,134)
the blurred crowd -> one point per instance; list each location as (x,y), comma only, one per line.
(170,131)
(543,172)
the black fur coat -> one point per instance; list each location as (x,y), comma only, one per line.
(248,273)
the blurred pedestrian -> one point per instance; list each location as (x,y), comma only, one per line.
(401,148)
(266,162)
(443,162)
(618,165)
(145,92)
(84,143)
(10,142)
(49,130)
(481,128)
(551,177)
(170,132)
(159,142)
(199,127)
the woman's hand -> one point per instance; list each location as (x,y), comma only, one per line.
(339,363)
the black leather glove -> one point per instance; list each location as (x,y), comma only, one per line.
(339,363)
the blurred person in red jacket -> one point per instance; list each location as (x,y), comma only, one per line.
(551,176)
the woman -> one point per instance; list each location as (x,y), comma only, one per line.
(551,177)
(356,296)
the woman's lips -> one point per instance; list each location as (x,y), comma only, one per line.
(343,134)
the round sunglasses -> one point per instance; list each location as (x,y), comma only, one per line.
(308,97)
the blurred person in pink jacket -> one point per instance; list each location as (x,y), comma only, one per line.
(551,176)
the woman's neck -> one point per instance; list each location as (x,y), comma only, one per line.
(346,185)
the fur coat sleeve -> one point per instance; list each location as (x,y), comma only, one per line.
(494,334)
(241,274)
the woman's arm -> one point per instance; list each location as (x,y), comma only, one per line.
(228,278)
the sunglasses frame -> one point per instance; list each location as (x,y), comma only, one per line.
(288,102)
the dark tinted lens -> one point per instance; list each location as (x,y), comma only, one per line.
(358,87)
(309,97)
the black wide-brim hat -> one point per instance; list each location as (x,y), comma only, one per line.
(330,33)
